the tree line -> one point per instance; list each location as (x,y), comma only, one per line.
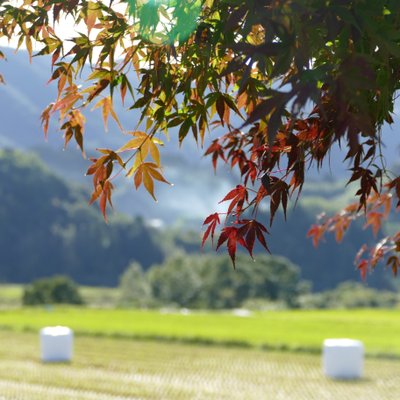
(208,282)
(47,228)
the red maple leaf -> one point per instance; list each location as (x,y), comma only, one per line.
(244,235)
(238,196)
(217,152)
(363,267)
(230,234)
(212,220)
(249,231)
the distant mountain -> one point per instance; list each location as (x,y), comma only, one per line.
(48,228)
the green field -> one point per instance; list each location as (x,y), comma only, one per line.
(10,295)
(111,363)
(118,369)
(289,330)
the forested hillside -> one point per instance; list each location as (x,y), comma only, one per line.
(47,227)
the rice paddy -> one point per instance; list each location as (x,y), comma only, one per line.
(182,355)
(279,330)
(111,369)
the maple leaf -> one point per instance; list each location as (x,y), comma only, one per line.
(316,232)
(249,231)
(63,105)
(101,169)
(91,16)
(217,151)
(56,55)
(367,184)
(340,227)
(237,196)
(145,144)
(107,108)
(212,221)
(45,118)
(261,194)
(363,268)
(74,127)
(103,191)
(244,235)
(229,234)
(220,105)
(279,193)
(146,173)
(106,197)
(249,171)
(374,219)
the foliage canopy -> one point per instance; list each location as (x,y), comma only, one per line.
(300,74)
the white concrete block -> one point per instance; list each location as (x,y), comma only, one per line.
(343,358)
(56,343)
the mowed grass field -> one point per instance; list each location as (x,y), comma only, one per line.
(175,362)
(281,330)
(121,369)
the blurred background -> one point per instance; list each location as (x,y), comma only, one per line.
(196,327)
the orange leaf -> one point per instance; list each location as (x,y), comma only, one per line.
(96,194)
(374,219)
(91,16)
(340,227)
(145,143)
(131,145)
(148,183)
(138,178)
(316,232)
(64,104)
(107,109)
(145,173)
(106,196)
(45,118)
(155,174)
